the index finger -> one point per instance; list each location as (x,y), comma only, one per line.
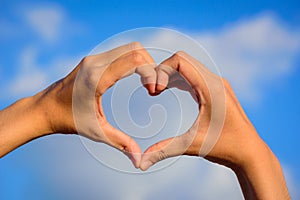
(133,59)
(193,71)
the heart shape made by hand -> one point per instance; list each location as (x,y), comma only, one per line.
(147,118)
(95,77)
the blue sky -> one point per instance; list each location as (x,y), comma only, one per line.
(255,44)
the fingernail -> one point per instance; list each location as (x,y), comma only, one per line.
(146,165)
(152,88)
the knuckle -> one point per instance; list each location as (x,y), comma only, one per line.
(186,140)
(165,69)
(92,76)
(178,57)
(226,83)
(136,57)
(146,71)
(122,148)
(135,45)
(86,61)
(162,155)
(180,54)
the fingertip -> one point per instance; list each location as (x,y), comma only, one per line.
(146,165)
(149,83)
(135,158)
(124,143)
(150,87)
(159,88)
(162,79)
(148,159)
(136,155)
(153,94)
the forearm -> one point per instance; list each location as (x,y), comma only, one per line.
(22,122)
(262,177)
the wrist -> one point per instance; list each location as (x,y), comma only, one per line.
(38,114)
(260,174)
(54,104)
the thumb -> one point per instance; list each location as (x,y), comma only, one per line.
(165,149)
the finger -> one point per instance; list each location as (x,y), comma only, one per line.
(163,74)
(191,70)
(126,65)
(183,85)
(117,52)
(165,149)
(162,150)
(124,143)
(148,77)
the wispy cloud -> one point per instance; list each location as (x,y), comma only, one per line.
(253,53)
(250,53)
(46,21)
(84,177)
(43,25)
(33,75)
(30,77)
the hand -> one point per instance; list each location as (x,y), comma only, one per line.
(88,82)
(210,92)
(73,104)
(222,133)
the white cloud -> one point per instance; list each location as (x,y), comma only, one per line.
(250,54)
(253,53)
(47,21)
(82,177)
(43,22)
(30,77)
(34,76)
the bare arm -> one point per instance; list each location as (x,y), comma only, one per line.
(21,122)
(73,104)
